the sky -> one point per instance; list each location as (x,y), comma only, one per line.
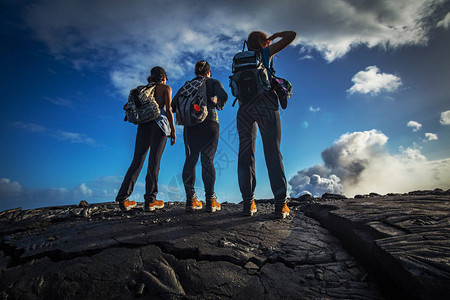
(370,111)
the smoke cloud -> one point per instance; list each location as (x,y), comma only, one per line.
(359,163)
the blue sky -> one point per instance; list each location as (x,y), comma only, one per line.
(370,110)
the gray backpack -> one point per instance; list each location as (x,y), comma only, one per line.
(192,102)
(250,77)
(142,106)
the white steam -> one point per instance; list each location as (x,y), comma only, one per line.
(359,163)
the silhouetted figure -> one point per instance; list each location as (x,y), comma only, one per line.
(203,139)
(262,110)
(153,135)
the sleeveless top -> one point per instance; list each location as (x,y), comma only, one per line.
(162,120)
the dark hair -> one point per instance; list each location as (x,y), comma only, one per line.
(202,67)
(254,39)
(157,75)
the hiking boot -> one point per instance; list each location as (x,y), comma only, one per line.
(249,208)
(153,205)
(281,210)
(126,205)
(193,205)
(212,205)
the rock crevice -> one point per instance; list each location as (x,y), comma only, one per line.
(68,254)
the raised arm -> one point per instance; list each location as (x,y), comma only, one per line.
(168,103)
(287,37)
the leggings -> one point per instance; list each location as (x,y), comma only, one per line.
(200,139)
(149,135)
(263,111)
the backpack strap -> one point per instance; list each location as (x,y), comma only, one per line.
(245,43)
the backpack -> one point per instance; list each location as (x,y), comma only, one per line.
(250,77)
(142,106)
(283,89)
(191,106)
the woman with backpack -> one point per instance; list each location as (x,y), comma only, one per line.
(262,110)
(153,135)
(203,139)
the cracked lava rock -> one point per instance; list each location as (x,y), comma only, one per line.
(95,251)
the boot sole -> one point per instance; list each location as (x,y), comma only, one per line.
(152,208)
(191,209)
(213,209)
(128,208)
(250,213)
(282,215)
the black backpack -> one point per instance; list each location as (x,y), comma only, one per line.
(192,102)
(250,77)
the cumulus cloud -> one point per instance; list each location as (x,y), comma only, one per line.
(130,37)
(314,109)
(431,136)
(359,163)
(72,137)
(371,81)
(445,22)
(414,125)
(445,117)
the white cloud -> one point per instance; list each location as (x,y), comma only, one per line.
(60,101)
(371,81)
(315,185)
(12,195)
(72,137)
(9,189)
(82,191)
(412,154)
(445,117)
(306,57)
(362,163)
(431,136)
(445,22)
(29,127)
(314,109)
(414,125)
(102,189)
(130,37)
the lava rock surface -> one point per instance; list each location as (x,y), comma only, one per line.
(95,251)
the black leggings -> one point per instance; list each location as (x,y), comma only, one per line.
(202,138)
(149,135)
(264,112)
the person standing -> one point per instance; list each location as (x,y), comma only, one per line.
(262,111)
(203,139)
(153,135)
